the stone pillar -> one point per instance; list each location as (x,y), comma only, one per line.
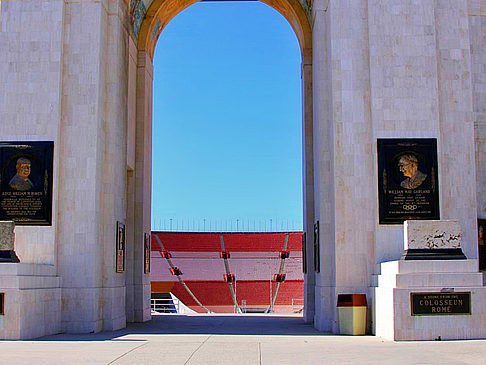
(92,150)
(457,155)
(142,184)
(113,188)
(308,160)
(81,168)
(130,218)
(344,155)
(323,165)
(477,39)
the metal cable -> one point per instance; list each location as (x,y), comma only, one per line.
(162,248)
(280,272)
(228,272)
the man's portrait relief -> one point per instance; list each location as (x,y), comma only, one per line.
(408,165)
(21,181)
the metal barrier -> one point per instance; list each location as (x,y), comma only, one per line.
(165,305)
(297,305)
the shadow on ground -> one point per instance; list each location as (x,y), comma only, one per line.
(202,324)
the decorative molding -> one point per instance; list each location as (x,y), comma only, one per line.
(156,28)
(137,13)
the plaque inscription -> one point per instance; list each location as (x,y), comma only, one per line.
(120,247)
(26,182)
(407,180)
(434,304)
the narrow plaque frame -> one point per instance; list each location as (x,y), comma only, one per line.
(407,180)
(304,250)
(120,247)
(482,244)
(26,175)
(440,296)
(2,303)
(317,249)
(146,253)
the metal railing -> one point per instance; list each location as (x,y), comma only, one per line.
(297,305)
(165,305)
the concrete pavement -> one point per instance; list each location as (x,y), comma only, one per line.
(236,340)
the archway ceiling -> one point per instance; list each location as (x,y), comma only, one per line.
(149,17)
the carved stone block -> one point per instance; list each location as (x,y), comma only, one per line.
(432,239)
(7,235)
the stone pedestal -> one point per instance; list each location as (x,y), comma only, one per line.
(32,306)
(7,241)
(393,318)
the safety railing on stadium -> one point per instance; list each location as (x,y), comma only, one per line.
(297,305)
(165,305)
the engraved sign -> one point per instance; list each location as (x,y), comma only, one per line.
(120,247)
(26,182)
(435,304)
(146,253)
(2,303)
(407,180)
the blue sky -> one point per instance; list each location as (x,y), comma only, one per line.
(227,120)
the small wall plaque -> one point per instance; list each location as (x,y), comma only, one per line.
(317,250)
(146,253)
(26,170)
(120,247)
(407,180)
(482,244)
(304,255)
(440,304)
(2,303)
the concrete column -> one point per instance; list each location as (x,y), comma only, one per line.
(457,156)
(143,184)
(323,168)
(81,166)
(477,37)
(308,173)
(113,199)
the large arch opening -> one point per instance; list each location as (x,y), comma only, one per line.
(150,25)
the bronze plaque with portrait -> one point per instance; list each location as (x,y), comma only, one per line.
(407,180)
(120,247)
(26,182)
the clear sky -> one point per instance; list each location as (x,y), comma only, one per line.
(227,121)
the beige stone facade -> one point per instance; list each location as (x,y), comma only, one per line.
(79,73)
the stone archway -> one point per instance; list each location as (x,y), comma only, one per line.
(148,20)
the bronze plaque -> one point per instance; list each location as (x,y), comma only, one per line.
(436,304)
(2,303)
(317,249)
(482,244)
(146,253)
(407,180)
(120,247)
(26,182)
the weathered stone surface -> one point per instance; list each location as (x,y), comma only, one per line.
(7,235)
(432,234)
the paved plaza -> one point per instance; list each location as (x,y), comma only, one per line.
(233,340)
